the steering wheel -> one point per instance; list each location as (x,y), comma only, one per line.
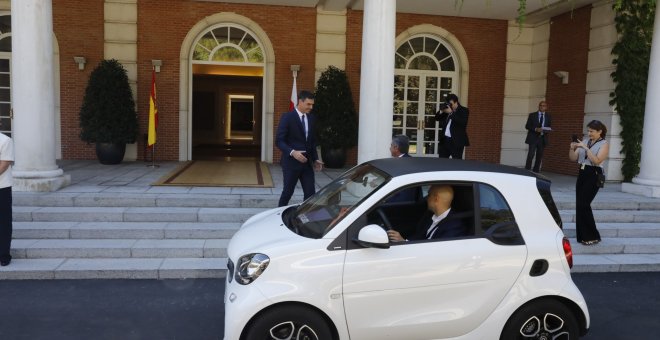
(384,219)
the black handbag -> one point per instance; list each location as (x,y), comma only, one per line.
(600,179)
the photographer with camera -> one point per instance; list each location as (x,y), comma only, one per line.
(453,119)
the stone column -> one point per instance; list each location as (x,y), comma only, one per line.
(648,181)
(377,79)
(33,98)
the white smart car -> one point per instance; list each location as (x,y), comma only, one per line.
(325,269)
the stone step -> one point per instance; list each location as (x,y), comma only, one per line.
(611,203)
(583,263)
(620,229)
(124,230)
(618,246)
(132,214)
(118,248)
(114,199)
(184,268)
(114,268)
(609,216)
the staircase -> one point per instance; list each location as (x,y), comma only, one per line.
(629,227)
(112,224)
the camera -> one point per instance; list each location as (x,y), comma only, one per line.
(574,138)
(443,106)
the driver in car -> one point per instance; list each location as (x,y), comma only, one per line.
(439,221)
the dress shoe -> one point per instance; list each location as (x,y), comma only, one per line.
(5,262)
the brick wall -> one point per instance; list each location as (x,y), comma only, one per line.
(568,51)
(70,19)
(162,26)
(485,44)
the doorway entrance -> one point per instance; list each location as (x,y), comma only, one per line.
(425,73)
(226,114)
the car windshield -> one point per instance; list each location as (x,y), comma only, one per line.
(320,213)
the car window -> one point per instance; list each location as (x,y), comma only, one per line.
(320,213)
(412,218)
(493,207)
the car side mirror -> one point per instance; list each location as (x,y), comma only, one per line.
(373,236)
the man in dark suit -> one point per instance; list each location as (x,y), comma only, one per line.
(538,125)
(295,139)
(453,137)
(440,222)
(399,146)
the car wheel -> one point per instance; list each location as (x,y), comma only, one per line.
(545,320)
(290,323)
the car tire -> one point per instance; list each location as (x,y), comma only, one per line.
(291,322)
(543,319)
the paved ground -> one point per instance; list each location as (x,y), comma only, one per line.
(623,306)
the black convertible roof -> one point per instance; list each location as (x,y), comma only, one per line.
(411,165)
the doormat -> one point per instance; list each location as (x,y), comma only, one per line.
(234,173)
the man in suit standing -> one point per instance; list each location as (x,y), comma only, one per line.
(399,146)
(538,125)
(295,139)
(453,138)
(440,223)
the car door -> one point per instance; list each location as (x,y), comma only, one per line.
(426,289)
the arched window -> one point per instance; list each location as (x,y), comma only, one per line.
(425,73)
(228,44)
(5,73)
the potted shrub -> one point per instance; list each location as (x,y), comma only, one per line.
(107,116)
(336,121)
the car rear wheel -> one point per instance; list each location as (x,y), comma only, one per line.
(545,320)
(290,323)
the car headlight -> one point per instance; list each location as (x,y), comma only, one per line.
(250,266)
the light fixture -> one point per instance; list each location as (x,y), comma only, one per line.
(295,69)
(156,63)
(81,62)
(563,75)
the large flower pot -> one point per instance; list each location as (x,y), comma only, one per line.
(110,153)
(333,158)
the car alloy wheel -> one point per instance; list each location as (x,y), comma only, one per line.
(550,328)
(289,330)
(544,319)
(290,322)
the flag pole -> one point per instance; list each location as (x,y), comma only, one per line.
(153,97)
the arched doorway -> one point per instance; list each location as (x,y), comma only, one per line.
(228,68)
(426,71)
(231,51)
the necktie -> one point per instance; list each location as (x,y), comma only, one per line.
(541,120)
(302,120)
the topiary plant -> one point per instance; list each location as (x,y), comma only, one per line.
(336,125)
(108,111)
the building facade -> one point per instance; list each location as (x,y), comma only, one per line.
(224,73)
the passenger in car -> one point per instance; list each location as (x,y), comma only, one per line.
(439,222)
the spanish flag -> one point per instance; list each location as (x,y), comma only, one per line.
(153,112)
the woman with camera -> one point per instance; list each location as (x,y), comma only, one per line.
(590,157)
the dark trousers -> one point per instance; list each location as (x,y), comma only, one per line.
(304,174)
(585,192)
(536,148)
(5,223)
(447,147)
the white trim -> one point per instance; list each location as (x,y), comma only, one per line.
(185,80)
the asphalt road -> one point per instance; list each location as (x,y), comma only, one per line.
(622,305)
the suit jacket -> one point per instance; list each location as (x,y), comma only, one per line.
(533,123)
(458,128)
(291,136)
(450,226)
